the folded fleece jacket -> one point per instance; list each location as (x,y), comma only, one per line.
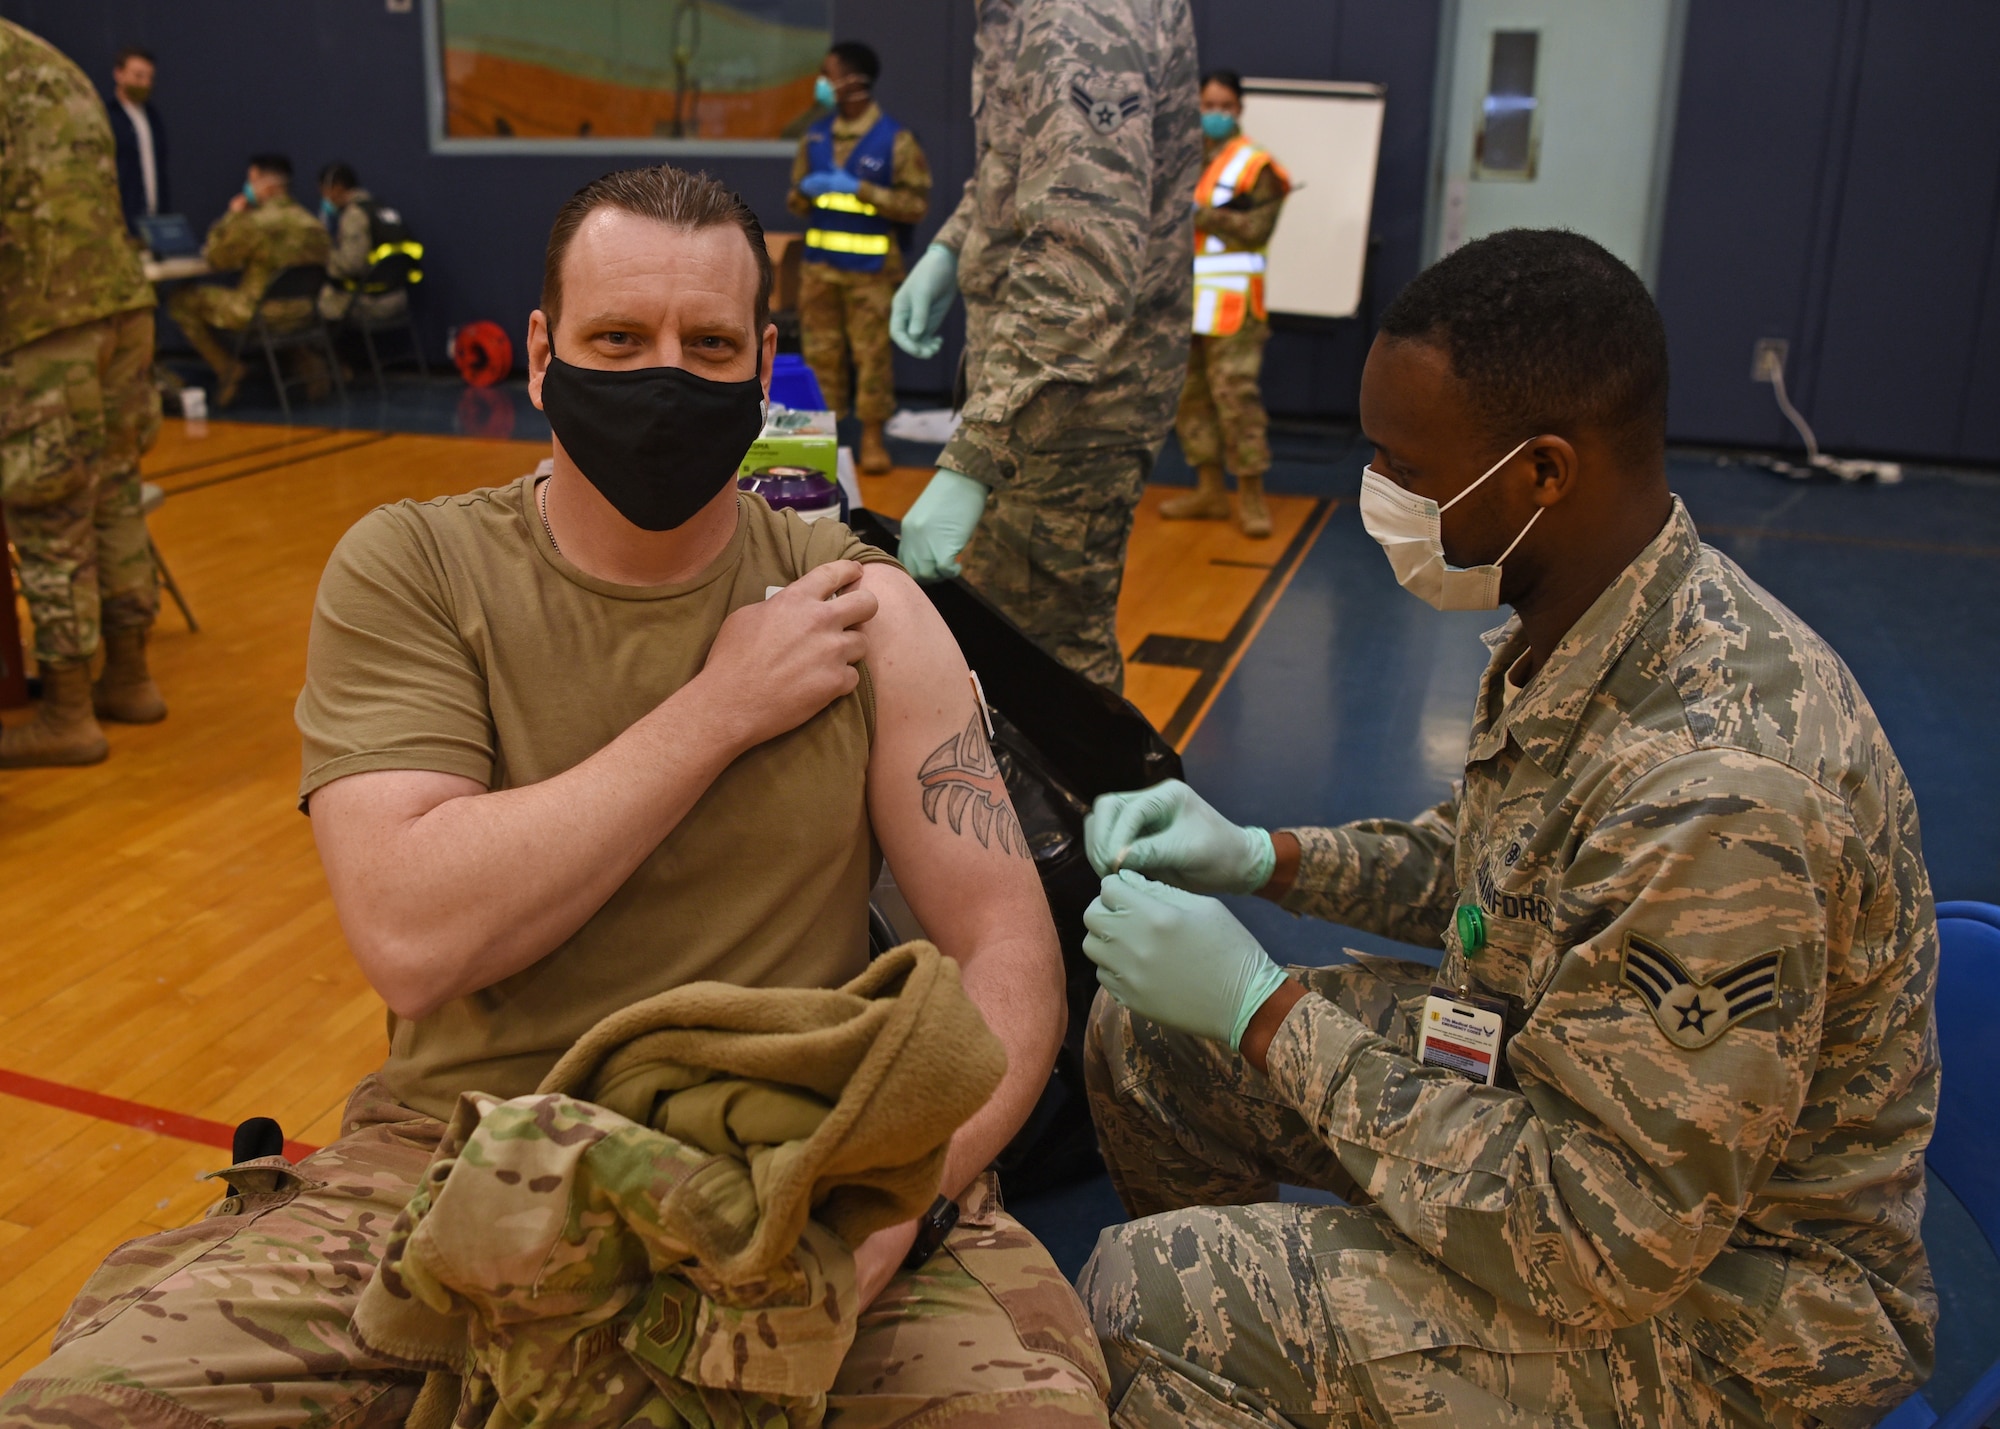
(661,1233)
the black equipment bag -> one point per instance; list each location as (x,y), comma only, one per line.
(393,251)
(1060,741)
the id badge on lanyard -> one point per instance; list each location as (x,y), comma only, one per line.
(1464,1031)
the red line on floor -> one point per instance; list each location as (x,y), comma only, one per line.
(178,1125)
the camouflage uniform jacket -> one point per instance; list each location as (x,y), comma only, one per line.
(1704,896)
(65,257)
(1250,219)
(1074,231)
(648,1257)
(546,1270)
(353,238)
(263,240)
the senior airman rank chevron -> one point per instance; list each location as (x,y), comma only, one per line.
(1693,1014)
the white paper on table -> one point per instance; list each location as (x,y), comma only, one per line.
(934,425)
(844,474)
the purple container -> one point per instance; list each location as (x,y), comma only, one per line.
(803,489)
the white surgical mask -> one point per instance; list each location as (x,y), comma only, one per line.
(1410,528)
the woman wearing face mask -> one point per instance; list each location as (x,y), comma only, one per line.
(1221,420)
(860,181)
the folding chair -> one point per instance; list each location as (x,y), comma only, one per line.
(301,282)
(150,498)
(1964,1154)
(396,272)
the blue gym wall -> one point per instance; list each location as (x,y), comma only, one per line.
(1835,180)
(324,79)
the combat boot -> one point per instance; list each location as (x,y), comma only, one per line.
(1251,514)
(63,730)
(1209,501)
(312,370)
(227,382)
(874,451)
(125,692)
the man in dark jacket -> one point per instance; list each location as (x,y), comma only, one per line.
(140,137)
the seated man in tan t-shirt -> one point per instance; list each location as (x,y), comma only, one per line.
(574,741)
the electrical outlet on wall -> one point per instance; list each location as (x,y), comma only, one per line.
(399,7)
(1767,359)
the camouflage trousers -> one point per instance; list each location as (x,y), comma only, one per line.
(1222,1308)
(1050,552)
(842,312)
(77,410)
(335,303)
(202,310)
(243,1318)
(1221,420)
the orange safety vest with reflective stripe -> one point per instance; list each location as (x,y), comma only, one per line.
(1228,279)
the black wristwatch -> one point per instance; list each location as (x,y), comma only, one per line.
(937,1223)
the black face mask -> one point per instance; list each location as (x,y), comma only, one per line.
(657,442)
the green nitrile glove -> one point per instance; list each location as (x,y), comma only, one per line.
(1178,959)
(943,519)
(917,312)
(1169,832)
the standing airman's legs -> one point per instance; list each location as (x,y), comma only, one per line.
(823,331)
(1201,443)
(1235,366)
(868,299)
(52,402)
(1051,553)
(127,581)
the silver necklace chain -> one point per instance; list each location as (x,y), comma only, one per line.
(542,500)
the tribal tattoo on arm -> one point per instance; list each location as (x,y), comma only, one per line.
(961,781)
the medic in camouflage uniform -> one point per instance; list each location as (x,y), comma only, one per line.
(1071,249)
(77,405)
(861,181)
(1684,865)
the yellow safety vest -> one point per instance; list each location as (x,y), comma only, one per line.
(847,241)
(1228,279)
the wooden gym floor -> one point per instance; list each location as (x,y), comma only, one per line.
(170,963)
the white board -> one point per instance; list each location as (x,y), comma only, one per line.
(1328,137)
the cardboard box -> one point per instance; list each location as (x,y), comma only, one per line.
(821,453)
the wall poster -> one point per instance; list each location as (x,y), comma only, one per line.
(531,75)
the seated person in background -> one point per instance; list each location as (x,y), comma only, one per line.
(263,234)
(360,225)
(577,740)
(1685,920)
